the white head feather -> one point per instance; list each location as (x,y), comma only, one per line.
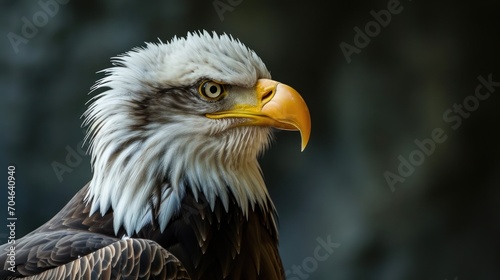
(136,150)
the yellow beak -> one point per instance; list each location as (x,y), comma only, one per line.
(276,105)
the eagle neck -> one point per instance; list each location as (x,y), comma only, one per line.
(146,179)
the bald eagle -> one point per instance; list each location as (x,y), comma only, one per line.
(177,191)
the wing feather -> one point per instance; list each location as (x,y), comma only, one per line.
(132,259)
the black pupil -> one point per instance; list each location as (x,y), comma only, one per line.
(213,89)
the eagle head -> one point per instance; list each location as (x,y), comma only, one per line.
(192,115)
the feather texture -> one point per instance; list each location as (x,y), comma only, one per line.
(133,259)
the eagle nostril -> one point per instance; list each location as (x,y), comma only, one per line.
(267,95)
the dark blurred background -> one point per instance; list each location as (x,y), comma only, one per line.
(368,109)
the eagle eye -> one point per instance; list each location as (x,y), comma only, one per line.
(211,90)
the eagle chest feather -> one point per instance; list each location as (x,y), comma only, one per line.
(220,244)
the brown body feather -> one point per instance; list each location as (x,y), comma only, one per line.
(208,244)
